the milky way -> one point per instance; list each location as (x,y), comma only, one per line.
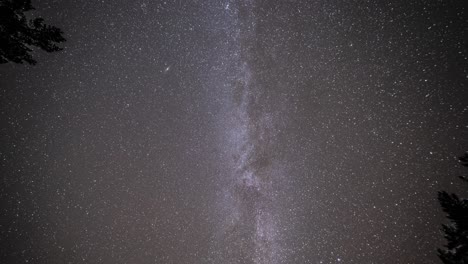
(248,233)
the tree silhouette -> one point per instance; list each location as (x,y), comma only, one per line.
(18,34)
(456,233)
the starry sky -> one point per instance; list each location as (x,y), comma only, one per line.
(235,131)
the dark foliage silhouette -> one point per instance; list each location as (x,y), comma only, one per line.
(18,34)
(456,233)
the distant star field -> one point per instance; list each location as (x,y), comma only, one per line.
(235,131)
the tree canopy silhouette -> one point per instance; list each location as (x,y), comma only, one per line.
(18,34)
(456,233)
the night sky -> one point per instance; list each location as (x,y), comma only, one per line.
(235,131)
